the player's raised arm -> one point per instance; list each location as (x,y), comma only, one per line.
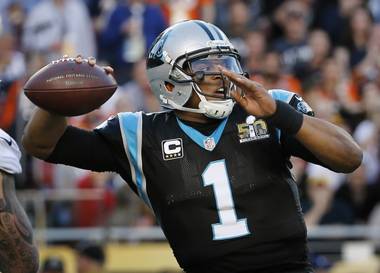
(69,87)
(332,145)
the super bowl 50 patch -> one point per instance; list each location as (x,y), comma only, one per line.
(252,130)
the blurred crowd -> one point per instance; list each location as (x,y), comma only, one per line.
(90,258)
(328,51)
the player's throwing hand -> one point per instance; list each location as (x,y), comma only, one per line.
(92,62)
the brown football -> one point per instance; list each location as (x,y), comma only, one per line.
(68,88)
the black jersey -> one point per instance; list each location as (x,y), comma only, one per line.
(226,201)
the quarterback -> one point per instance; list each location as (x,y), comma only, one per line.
(214,167)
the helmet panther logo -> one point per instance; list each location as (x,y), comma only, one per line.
(158,47)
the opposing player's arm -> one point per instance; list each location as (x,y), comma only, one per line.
(330,144)
(17,252)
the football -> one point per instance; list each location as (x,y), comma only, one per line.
(69,88)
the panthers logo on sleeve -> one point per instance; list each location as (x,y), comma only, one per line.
(298,103)
(292,99)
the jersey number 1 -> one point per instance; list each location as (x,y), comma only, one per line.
(229,227)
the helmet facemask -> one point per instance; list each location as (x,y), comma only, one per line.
(203,70)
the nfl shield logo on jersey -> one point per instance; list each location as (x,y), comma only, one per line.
(209,143)
(172,148)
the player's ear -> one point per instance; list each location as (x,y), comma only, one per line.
(169,86)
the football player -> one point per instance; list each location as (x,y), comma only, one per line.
(17,252)
(214,167)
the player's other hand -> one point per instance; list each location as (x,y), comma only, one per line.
(254,98)
(92,62)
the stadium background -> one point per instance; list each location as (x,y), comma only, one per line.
(327,51)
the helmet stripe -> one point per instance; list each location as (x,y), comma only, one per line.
(217,31)
(205,28)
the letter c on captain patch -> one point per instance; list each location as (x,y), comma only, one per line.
(172,149)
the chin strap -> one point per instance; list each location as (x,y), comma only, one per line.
(179,107)
(211,109)
(218,109)
(215,109)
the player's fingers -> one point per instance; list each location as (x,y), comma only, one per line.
(240,98)
(78,59)
(91,61)
(108,69)
(240,80)
(65,56)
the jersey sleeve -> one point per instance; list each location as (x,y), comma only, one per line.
(98,150)
(291,146)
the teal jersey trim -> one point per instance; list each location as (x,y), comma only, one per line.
(206,142)
(131,129)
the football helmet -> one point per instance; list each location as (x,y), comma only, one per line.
(182,57)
